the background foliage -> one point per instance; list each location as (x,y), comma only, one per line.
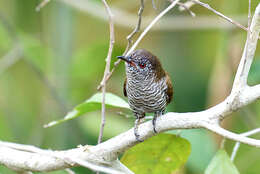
(62,63)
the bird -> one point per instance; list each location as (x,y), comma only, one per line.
(147,86)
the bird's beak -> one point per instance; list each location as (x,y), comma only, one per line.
(127,59)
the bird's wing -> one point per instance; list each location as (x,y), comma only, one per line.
(169,90)
(124,90)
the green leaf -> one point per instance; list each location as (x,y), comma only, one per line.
(201,141)
(221,164)
(92,104)
(164,153)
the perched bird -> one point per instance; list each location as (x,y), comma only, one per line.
(147,86)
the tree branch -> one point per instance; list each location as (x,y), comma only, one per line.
(166,24)
(248,53)
(107,69)
(236,147)
(137,28)
(156,19)
(183,6)
(220,14)
(129,42)
(108,151)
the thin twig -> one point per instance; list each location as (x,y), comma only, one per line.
(219,14)
(184,7)
(171,23)
(107,68)
(244,80)
(246,58)
(129,42)
(156,19)
(137,28)
(41,5)
(249,14)
(237,145)
(187,4)
(194,1)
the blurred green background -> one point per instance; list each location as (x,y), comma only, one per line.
(52,60)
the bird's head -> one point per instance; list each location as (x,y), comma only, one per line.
(143,64)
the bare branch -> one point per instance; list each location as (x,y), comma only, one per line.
(236,147)
(249,14)
(183,7)
(137,28)
(233,136)
(32,159)
(108,151)
(248,53)
(220,14)
(156,19)
(129,39)
(107,68)
(171,23)
(186,5)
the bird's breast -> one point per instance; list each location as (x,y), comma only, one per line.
(147,95)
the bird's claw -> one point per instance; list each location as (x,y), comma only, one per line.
(154,129)
(137,122)
(154,124)
(137,137)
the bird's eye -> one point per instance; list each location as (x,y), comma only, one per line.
(142,65)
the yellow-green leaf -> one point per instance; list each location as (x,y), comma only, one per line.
(164,153)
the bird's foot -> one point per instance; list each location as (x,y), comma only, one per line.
(154,124)
(137,136)
(154,130)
